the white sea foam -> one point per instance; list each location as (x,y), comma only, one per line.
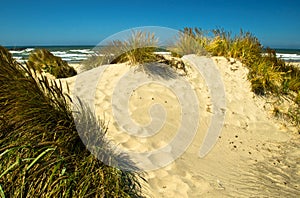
(73,59)
(21,60)
(57,53)
(163,53)
(288,56)
(84,51)
(29,49)
(67,59)
(16,52)
(80,58)
(71,55)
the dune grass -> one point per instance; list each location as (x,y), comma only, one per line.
(268,74)
(43,60)
(137,49)
(41,153)
(189,41)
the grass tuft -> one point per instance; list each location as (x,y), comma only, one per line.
(43,60)
(189,41)
(268,74)
(41,152)
(138,49)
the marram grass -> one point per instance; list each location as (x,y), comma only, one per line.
(268,74)
(41,154)
(43,60)
(189,41)
(137,49)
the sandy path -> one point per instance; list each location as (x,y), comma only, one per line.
(254,156)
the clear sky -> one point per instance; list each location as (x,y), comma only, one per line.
(71,22)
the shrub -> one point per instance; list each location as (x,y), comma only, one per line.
(41,153)
(43,60)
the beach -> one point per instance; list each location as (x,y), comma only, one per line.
(160,99)
(256,154)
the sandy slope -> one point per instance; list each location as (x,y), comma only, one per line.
(255,155)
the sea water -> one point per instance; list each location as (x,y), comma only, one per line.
(77,54)
(71,54)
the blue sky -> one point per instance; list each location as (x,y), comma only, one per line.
(275,23)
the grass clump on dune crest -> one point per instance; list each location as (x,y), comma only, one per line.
(138,49)
(41,153)
(43,60)
(189,41)
(219,44)
(246,48)
(268,74)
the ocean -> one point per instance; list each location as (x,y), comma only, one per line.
(289,55)
(71,54)
(76,54)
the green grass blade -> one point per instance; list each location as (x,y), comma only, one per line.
(38,157)
(2,195)
(11,167)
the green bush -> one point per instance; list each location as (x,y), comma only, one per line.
(41,153)
(43,60)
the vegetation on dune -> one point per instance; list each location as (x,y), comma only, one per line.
(268,74)
(41,153)
(189,41)
(43,60)
(297,99)
(138,49)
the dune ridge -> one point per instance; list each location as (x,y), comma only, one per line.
(256,155)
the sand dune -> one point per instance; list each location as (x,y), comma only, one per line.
(255,155)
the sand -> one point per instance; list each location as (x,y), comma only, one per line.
(256,155)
